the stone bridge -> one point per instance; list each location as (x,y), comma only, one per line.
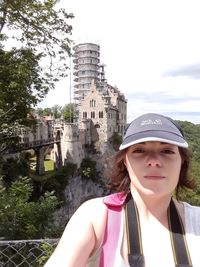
(39,146)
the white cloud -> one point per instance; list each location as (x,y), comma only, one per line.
(141,41)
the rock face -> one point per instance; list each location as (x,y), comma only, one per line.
(76,192)
(79,190)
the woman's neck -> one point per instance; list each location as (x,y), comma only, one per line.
(151,207)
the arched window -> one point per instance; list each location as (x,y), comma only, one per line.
(97,125)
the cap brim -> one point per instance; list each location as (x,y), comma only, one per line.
(160,136)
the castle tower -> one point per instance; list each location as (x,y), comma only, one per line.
(71,145)
(86,68)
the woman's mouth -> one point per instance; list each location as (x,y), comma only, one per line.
(154,177)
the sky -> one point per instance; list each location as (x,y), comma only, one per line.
(151,52)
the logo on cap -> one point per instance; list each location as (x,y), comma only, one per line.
(151,122)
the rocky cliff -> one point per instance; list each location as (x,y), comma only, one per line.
(79,190)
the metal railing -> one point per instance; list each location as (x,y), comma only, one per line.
(25,253)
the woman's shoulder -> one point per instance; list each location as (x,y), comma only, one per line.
(192,208)
(192,215)
(115,200)
(111,200)
(96,209)
(92,208)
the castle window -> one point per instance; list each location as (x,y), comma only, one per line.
(97,125)
(92,114)
(92,103)
(100,114)
(85,115)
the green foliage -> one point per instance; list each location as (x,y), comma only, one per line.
(192,134)
(21,87)
(49,165)
(44,112)
(39,25)
(24,219)
(12,168)
(20,80)
(88,169)
(41,32)
(55,111)
(48,250)
(116,141)
(59,180)
(68,112)
(193,196)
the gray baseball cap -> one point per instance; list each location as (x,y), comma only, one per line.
(153,127)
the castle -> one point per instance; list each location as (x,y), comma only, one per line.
(101,109)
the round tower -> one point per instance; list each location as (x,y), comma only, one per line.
(86,68)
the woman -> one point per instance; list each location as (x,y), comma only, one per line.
(151,164)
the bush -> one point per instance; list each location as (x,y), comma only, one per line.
(12,168)
(59,180)
(24,219)
(88,169)
(116,141)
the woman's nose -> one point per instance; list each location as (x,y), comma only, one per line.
(154,161)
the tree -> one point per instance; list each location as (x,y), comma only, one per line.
(44,112)
(20,83)
(24,219)
(88,169)
(41,34)
(21,88)
(68,112)
(56,111)
(41,27)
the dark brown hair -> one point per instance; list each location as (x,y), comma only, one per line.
(120,180)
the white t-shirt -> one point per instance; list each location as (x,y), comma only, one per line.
(192,229)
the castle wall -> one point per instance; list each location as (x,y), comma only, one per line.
(107,113)
(93,109)
(118,100)
(72,147)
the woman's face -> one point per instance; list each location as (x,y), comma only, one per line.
(153,167)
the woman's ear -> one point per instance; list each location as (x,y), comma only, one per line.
(124,161)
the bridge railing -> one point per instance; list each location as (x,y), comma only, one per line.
(25,253)
(34,144)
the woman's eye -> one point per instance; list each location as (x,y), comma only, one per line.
(138,150)
(168,151)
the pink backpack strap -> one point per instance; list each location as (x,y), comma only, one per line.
(114,203)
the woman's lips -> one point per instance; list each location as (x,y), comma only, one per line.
(154,177)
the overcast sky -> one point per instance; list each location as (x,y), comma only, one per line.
(151,49)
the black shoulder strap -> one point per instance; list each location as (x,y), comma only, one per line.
(134,240)
(178,240)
